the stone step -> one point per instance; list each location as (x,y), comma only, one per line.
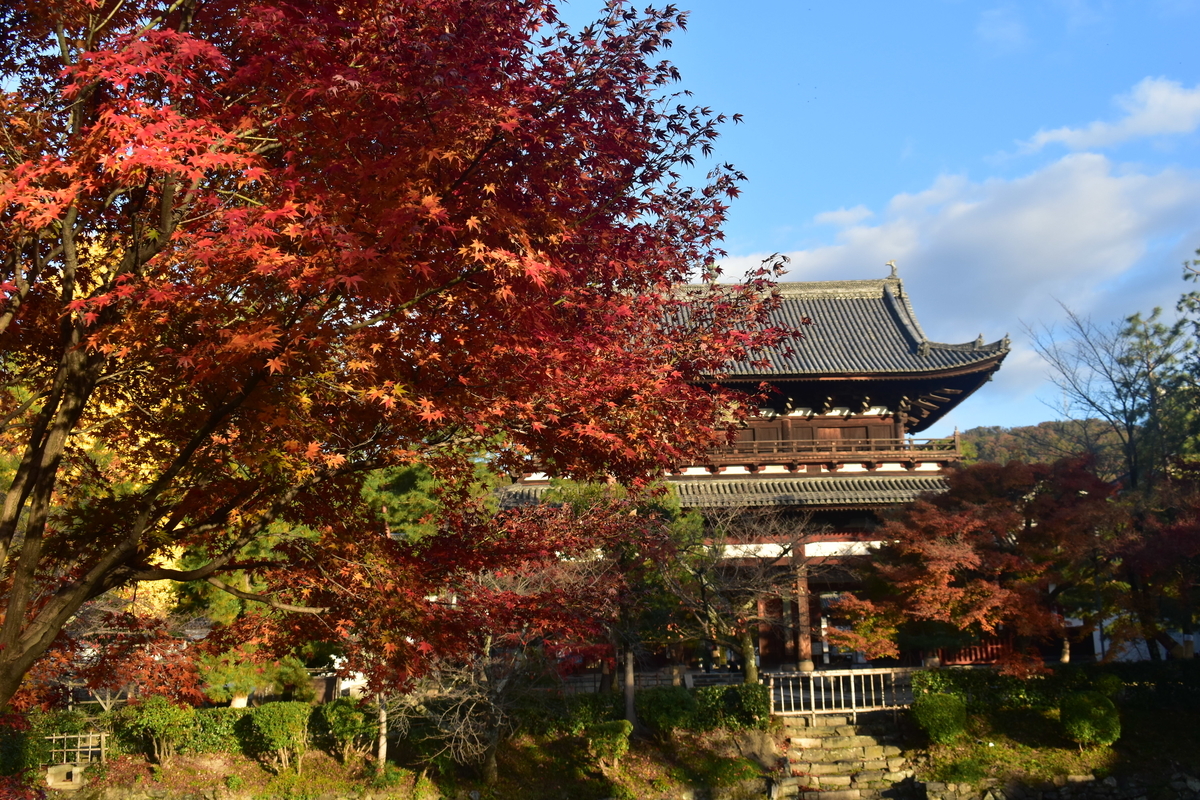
(846,767)
(836,760)
(785,792)
(828,731)
(822,721)
(871,753)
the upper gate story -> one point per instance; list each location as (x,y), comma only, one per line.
(837,430)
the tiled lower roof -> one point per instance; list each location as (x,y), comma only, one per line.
(824,491)
(831,491)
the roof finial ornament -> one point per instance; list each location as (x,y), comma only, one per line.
(892,264)
(979,341)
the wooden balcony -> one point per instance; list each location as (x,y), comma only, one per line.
(795,453)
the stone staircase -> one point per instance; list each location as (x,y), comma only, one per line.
(835,760)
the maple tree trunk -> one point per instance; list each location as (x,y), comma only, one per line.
(630,688)
(748,653)
(491,771)
(381,744)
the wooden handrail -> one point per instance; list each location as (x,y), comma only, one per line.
(824,446)
(800,451)
(839,691)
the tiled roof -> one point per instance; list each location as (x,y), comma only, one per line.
(862,490)
(861,327)
(824,491)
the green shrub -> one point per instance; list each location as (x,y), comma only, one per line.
(218,730)
(710,708)
(345,724)
(122,739)
(986,689)
(163,724)
(281,731)
(585,710)
(61,722)
(390,777)
(747,706)
(942,716)
(665,708)
(736,707)
(608,741)
(21,747)
(1107,684)
(23,744)
(1090,718)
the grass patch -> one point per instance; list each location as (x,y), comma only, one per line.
(530,768)
(193,775)
(1024,744)
(550,768)
(1031,746)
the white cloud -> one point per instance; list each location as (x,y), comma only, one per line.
(1155,107)
(1082,13)
(1002,29)
(985,257)
(843,217)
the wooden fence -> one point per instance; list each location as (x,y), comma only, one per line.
(842,691)
(77,748)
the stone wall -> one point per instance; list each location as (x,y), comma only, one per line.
(1073,787)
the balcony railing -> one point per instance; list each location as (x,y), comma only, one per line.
(805,451)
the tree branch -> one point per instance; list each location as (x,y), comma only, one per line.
(260,598)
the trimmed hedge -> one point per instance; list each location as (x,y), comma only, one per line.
(585,710)
(748,706)
(664,708)
(942,716)
(608,741)
(1090,718)
(741,706)
(983,689)
(219,730)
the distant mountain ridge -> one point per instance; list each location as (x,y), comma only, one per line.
(1046,442)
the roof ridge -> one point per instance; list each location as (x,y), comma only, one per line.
(975,346)
(902,310)
(870,289)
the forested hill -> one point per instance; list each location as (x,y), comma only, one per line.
(1046,441)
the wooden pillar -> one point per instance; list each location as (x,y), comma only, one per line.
(804,657)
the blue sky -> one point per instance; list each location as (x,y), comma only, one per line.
(1008,156)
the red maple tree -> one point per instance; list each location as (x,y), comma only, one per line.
(1004,548)
(256,248)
